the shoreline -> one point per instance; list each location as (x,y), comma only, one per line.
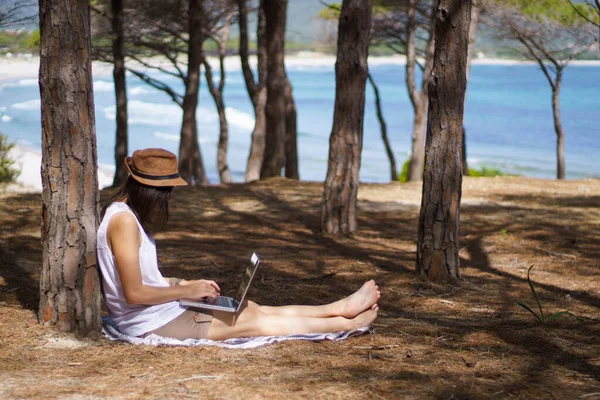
(27,67)
(29,161)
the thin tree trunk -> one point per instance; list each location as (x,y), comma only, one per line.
(121,150)
(417,154)
(69,289)
(217,94)
(419,99)
(465,166)
(191,166)
(383,126)
(257,91)
(338,209)
(291,129)
(560,133)
(274,156)
(475,10)
(437,248)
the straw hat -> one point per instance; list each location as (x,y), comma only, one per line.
(154,167)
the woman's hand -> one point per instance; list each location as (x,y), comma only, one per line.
(200,289)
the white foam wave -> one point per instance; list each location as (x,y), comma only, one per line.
(6,118)
(239,118)
(28,82)
(103,86)
(171,137)
(167,136)
(28,105)
(20,83)
(156,114)
(137,90)
(144,113)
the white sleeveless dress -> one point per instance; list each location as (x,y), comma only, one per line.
(133,320)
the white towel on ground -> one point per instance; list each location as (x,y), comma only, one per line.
(110,330)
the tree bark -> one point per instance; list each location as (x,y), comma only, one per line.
(257,91)
(69,289)
(383,126)
(419,99)
(291,133)
(560,133)
(121,150)
(191,166)
(338,209)
(274,156)
(437,248)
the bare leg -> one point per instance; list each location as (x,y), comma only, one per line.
(349,307)
(251,321)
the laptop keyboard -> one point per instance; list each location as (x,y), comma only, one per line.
(224,302)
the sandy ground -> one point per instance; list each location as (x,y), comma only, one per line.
(431,341)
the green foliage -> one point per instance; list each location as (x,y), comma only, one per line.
(34,40)
(331,12)
(8,173)
(403,176)
(485,172)
(18,42)
(541,317)
(559,11)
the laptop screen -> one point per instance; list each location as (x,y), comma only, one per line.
(247,278)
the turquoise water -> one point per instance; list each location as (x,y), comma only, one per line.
(508,118)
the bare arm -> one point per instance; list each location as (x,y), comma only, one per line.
(124,239)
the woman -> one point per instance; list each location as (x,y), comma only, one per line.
(140,301)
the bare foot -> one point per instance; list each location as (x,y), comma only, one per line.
(365,318)
(360,300)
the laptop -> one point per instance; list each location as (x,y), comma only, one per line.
(224,303)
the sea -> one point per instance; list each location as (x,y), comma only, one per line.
(508,119)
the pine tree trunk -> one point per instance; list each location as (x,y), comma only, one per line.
(560,133)
(475,11)
(217,95)
(191,166)
(419,99)
(417,155)
(338,210)
(383,127)
(274,156)
(257,91)
(291,129)
(69,289)
(121,150)
(437,248)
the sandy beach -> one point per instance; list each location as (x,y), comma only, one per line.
(29,161)
(20,67)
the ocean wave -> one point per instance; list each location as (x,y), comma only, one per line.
(167,136)
(103,86)
(171,137)
(239,118)
(30,105)
(144,113)
(157,114)
(20,83)
(137,90)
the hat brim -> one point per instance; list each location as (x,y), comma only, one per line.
(156,182)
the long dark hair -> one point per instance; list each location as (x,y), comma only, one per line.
(150,204)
